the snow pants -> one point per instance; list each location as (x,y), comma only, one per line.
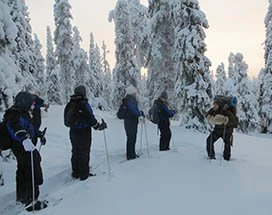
(131,127)
(24,175)
(213,137)
(166,134)
(81,139)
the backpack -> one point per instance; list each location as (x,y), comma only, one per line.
(5,140)
(122,111)
(153,113)
(231,101)
(71,114)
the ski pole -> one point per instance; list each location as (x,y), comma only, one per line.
(32,177)
(211,136)
(107,155)
(141,138)
(146,138)
(224,136)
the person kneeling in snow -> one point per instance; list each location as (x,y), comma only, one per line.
(78,115)
(225,120)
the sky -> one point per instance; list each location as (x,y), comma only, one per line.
(234,26)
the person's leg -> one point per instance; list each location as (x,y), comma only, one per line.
(131,132)
(227,148)
(212,138)
(84,153)
(75,153)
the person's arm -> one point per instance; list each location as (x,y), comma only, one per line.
(88,113)
(170,113)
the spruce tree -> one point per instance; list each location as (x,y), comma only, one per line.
(39,72)
(221,79)
(160,64)
(266,81)
(126,71)
(64,46)
(243,89)
(23,48)
(193,89)
(52,73)
(11,80)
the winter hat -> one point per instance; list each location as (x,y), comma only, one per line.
(164,95)
(24,100)
(80,91)
(131,90)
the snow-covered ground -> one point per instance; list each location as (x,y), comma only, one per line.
(180,181)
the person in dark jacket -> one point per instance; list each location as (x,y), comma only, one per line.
(23,132)
(131,121)
(224,118)
(164,121)
(81,132)
(36,112)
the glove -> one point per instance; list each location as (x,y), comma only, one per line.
(142,114)
(226,120)
(102,126)
(28,145)
(43,140)
(46,107)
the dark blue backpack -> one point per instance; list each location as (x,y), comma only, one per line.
(5,140)
(122,111)
(153,113)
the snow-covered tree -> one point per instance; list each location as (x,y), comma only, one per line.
(221,79)
(80,60)
(126,71)
(10,79)
(39,72)
(23,49)
(160,64)
(64,46)
(52,73)
(95,67)
(193,89)
(266,76)
(107,78)
(243,89)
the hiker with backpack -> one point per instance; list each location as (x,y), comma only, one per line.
(130,112)
(161,114)
(223,116)
(22,133)
(79,117)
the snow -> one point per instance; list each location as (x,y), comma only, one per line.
(180,181)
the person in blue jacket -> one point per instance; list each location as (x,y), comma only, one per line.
(79,114)
(23,133)
(131,121)
(164,123)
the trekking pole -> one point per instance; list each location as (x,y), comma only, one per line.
(146,138)
(32,178)
(211,136)
(107,155)
(224,136)
(141,139)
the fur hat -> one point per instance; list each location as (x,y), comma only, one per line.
(80,91)
(164,95)
(131,90)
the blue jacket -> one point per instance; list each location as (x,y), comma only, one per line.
(19,125)
(133,111)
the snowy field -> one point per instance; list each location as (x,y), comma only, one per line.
(180,181)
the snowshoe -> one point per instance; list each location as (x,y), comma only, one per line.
(38,205)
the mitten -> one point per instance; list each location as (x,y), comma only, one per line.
(28,145)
